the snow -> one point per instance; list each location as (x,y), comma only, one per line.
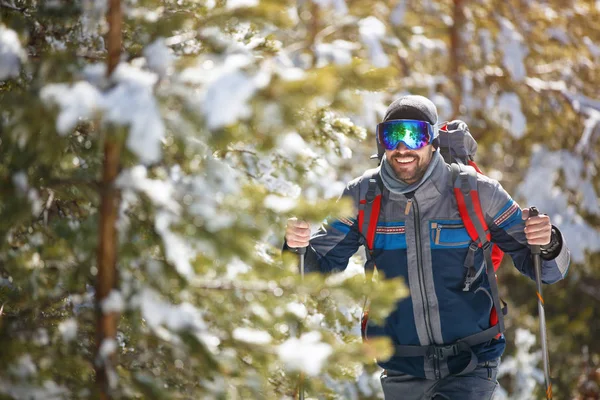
(513,48)
(298,309)
(338,52)
(522,367)
(397,16)
(372,110)
(425,46)
(80,101)
(159,191)
(132,103)
(68,329)
(279,204)
(306,354)
(443,105)
(11,53)
(581,104)
(177,250)
(340,6)
(252,336)
(372,31)
(24,367)
(293,145)
(510,114)
(113,303)
(157,312)
(369,385)
(93,18)
(540,187)
(592,47)
(548,12)
(21,183)
(107,348)
(49,391)
(224,88)
(590,127)
(162,194)
(209,191)
(236,267)
(159,57)
(486,43)
(129,103)
(559,34)
(233,4)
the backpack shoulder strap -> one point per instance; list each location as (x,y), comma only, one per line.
(369,207)
(467,198)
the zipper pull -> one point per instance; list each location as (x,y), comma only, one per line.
(438,232)
(469,279)
(408,204)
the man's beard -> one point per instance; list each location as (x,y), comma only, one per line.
(413,174)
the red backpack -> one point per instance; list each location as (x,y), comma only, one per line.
(457,147)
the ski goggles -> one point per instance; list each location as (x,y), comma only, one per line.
(414,134)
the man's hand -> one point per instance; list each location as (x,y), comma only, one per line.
(297,233)
(538,230)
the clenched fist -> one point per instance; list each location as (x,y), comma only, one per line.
(538,230)
(297,233)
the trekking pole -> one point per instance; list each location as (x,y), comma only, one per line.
(301,252)
(537,265)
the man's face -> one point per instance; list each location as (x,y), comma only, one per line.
(409,165)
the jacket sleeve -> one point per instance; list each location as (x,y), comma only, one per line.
(331,247)
(507,228)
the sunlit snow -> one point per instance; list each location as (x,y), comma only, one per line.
(540,187)
(372,31)
(513,48)
(11,53)
(129,103)
(307,353)
(253,336)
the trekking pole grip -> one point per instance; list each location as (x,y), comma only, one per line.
(534,212)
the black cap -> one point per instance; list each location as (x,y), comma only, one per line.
(412,107)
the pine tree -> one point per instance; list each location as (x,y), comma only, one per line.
(196,139)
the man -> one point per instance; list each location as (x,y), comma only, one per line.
(422,238)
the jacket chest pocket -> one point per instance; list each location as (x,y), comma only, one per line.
(449,234)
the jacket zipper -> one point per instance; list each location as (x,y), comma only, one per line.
(428,327)
(438,231)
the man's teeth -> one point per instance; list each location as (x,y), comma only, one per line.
(405,160)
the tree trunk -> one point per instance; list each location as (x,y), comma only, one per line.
(114,35)
(457,56)
(109,206)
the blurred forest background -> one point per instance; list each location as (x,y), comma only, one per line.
(151,152)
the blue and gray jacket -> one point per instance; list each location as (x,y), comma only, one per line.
(421,238)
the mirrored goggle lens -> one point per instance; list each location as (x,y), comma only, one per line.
(414,134)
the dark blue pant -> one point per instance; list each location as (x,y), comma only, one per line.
(477,385)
